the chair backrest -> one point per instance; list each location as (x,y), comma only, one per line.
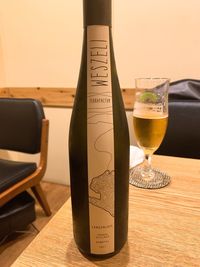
(21,124)
(182,138)
(187,89)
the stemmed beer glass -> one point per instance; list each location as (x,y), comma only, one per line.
(150,116)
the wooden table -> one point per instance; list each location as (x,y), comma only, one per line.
(164,226)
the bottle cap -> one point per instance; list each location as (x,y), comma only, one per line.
(96,12)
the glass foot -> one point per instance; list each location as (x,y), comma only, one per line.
(159,180)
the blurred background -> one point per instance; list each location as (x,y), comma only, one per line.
(41,42)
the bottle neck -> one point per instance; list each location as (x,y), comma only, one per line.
(96,12)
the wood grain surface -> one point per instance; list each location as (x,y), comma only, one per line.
(57,97)
(164,226)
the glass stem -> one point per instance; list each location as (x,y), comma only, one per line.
(148,162)
(147,170)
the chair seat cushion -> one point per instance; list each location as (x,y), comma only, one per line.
(12,172)
(16,214)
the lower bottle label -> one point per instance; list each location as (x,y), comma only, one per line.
(100,139)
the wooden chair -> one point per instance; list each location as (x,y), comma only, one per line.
(23,128)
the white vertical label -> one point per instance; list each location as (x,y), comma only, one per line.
(100,139)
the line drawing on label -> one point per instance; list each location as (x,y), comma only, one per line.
(103,185)
(99,113)
(103,151)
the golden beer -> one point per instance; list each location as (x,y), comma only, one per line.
(149,131)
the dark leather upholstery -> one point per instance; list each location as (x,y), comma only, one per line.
(17,214)
(20,122)
(20,130)
(182,138)
(12,172)
(187,89)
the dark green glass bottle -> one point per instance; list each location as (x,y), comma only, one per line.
(99,142)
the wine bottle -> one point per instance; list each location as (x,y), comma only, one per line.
(99,142)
